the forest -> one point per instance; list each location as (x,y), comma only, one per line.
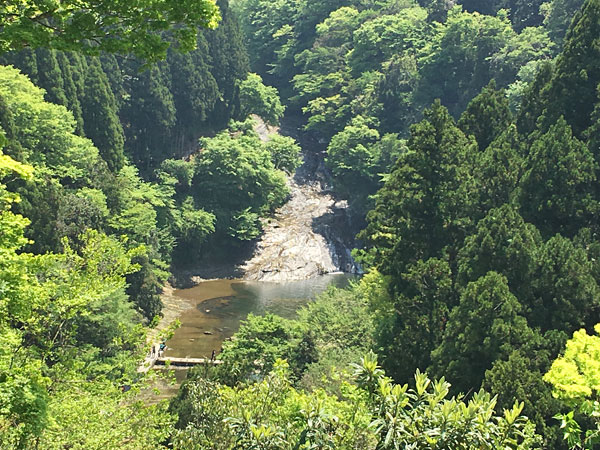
(465,137)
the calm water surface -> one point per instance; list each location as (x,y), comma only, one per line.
(220,305)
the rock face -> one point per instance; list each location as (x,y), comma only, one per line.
(290,249)
(308,236)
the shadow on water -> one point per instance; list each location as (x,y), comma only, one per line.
(220,305)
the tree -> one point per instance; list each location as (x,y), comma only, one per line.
(285,153)
(504,243)
(520,376)
(425,203)
(234,178)
(531,46)
(558,15)
(195,92)
(565,293)
(100,120)
(498,170)
(534,100)
(72,93)
(419,312)
(259,343)
(572,90)
(150,115)
(593,133)
(256,98)
(457,64)
(377,40)
(556,192)
(50,76)
(229,64)
(485,326)
(352,158)
(574,379)
(487,116)
(93,26)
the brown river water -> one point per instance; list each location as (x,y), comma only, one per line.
(219,306)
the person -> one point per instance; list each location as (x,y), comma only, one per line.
(212,357)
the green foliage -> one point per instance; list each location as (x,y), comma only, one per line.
(104,26)
(574,379)
(458,62)
(377,414)
(256,98)
(558,15)
(423,417)
(352,157)
(571,91)
(486,116)
(150,110)
(413,325)
(260,341)
(101,123)
(235,179)
(377,40)
(555,191)
(498,170)
(504,243)
(565,291)
(486,324)
(425,203)
(111,417)
(285,153)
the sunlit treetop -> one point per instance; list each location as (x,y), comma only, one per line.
(144,28)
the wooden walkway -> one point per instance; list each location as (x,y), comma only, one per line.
(186,361)
(155,357)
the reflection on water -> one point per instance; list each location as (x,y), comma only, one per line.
(220,305)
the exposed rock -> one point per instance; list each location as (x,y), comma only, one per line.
(308,236)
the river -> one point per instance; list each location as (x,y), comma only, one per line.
(214,309)
(218,307)
(304,243)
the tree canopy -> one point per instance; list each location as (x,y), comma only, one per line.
(144,29)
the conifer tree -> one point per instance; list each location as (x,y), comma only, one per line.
(593,132)
(573,89)
(25,61)
(485,326)
(486,116)
(150,116)
(195,92)
(112,69)
(425,204)
(79,67)
(50,76)
(503,243)
(556,192)
(498,170)
(229,63)
(71,91)
(533,103)
(101,122)
(565,293)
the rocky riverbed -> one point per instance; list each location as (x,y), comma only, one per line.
(311,235)
(308,236)
(299,241)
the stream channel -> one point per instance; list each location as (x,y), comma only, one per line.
(304,248)
(215,309)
